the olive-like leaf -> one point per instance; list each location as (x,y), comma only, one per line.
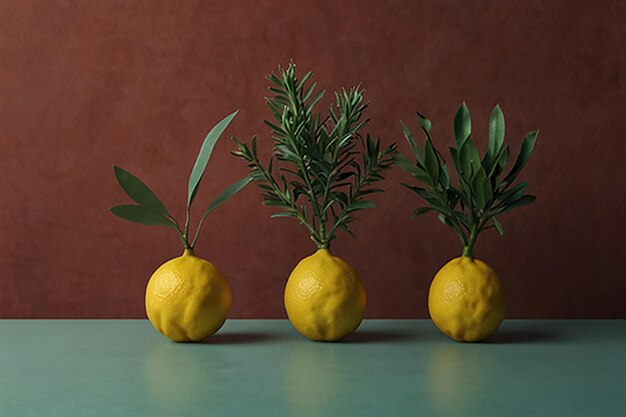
(230,191)
(139,191)
(142,215)
(431,162)
(498,226)
(421,210)
(462,125)
(203,156)
(412,143)
(524,155)
(496,132)
(424,123)
(481,189)
(415,171)
(469,159)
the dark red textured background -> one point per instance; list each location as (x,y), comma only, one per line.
(139,83)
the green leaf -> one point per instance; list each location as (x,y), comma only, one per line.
(444,219)
(514,193)
(142,215)
(425,123)
(203,156)
(139,191)
(359,205)
(523,201)
(282,214)
(415,171)
(524,155)
(469,159)
(431,162)
(498,226)
(411,139)
(230,191)
(462,125)
(496,132)
(421,210)
(481,188)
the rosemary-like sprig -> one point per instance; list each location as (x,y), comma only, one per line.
(472,206)
(324,167)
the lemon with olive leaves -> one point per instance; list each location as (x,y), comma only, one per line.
(467,300)
(187,298)
(325,172)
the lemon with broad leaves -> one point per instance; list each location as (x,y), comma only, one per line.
(467,300)
(324,297)
(187,298)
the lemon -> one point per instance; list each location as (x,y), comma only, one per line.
(324,297)
(467,301)
(187,298)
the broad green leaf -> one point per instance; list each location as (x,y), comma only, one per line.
(454,155)
(469,159)
(138,214)
(139,191)
(443,219)
(514,193)
(412,142)
(431,162)
(496,132)
(498,226)
(444,175)
(203,156)
(359,205)
(524,155)
(481,188)
(425,123)
(462,125)
(415,171)
(230,191)
(421,210)
(523,201)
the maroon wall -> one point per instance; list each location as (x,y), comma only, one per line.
(85,84)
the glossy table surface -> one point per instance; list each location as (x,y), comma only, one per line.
(264,368)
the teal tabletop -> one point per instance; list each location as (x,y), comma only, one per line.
(265,368)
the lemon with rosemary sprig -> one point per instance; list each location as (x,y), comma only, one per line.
(321,173)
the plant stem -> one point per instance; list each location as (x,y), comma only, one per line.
(476,229)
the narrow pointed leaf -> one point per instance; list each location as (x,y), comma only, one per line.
(139,191)
(462,125)
(142,215)
(524,155)
(421,210)
(469,159)
(496,132)
(498,226)
(415,171)
(230,191)
(425,123)
(412,142)
(431,162)
(205,153)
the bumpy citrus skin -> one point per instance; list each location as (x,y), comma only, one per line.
(324,297)
(187,298)
(467,301)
